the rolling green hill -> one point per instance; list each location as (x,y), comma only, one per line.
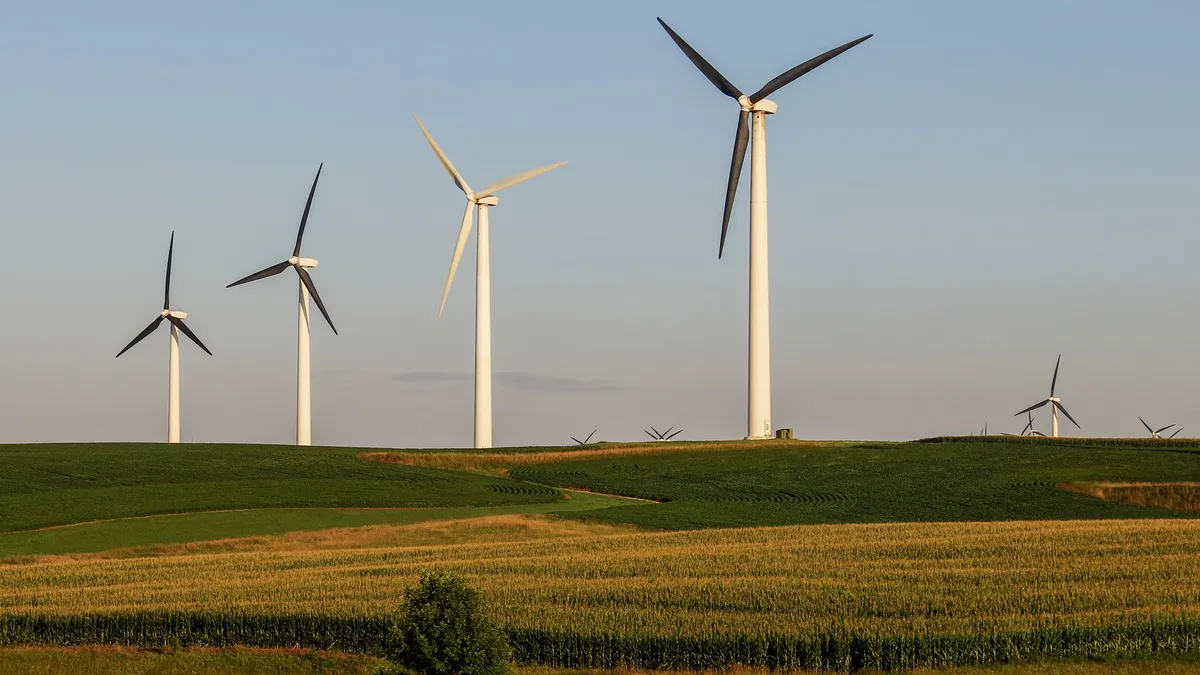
(46,485)
(766,484)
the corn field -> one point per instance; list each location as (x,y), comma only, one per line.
(839,597)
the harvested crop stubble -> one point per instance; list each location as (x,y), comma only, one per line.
(501,461)
(1178,496)
(877,580)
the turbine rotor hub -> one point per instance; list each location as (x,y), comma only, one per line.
(744,101)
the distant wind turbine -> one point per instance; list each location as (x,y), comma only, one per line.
(175,318)
(584,441)
(483,200)
(307,289)
(1155,433)
(662,435)
(758,422)
(1056,405)
(1029,428)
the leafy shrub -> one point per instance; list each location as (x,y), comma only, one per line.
(444,629)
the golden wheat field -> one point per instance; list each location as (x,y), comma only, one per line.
(880,579)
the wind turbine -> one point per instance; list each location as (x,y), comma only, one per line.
(1156,433)
(1056,405)
(758,422)
(662,435)
(584,441)
(307,289)
(1029,427)
(483,200)
(177,326)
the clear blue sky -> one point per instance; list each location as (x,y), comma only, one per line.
(976,189)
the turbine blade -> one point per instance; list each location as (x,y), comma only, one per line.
(148,330)
(705,67)
(1038,433)
(312,290)
(1164,428)
(1054,380)
(804,68)
(740,141)
(1176,432)
(589,436)
(170,255)
(647,432)
(1064,411)
(577,441)
(458,179)
(674,434)
(178,323)
(262,274)
(1032,407)
(668,430)
(657,433)
(307,206)
(513,180)
(1144,424)
(464,231)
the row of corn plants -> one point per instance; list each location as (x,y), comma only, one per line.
(838,651)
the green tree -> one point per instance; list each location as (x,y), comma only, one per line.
(444,629)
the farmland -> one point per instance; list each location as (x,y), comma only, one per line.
(828,555)
(831,596)
(871,482)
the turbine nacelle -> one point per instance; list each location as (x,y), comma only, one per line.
(306,263)
(763,106)
(489,200)
(166,313)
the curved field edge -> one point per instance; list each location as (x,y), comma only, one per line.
(47,485)
(836,651)
(184,528)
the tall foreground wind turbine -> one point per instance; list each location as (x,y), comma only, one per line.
(1056,405)
(482,200)
(177,326)
(758,422)
(307,289)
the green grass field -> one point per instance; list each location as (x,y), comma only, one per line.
(870,483)
(45,485)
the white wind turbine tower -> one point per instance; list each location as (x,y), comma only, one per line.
(758,422)
(1056,405)
(177,326)
(483,200)
(307,289)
